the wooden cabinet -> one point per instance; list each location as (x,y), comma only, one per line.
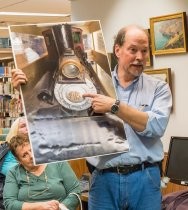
(79,166)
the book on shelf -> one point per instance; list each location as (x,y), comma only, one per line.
(3,133)
(5,71)
(5,86)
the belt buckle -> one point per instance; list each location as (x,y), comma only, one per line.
(122,170)
(118,170)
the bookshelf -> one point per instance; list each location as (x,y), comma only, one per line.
(10,101)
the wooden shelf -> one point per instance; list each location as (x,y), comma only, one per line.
(6,54)
(6,58)
(5,50)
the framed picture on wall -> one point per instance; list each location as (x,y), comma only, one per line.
(163,74)
(149,61)
(168,34)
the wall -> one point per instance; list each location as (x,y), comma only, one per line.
(115,14)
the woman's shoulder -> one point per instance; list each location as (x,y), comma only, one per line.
(15,171)
(58,164)
(59,167)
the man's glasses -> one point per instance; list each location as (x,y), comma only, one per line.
(37,193)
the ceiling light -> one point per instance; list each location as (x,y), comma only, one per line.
(34,14)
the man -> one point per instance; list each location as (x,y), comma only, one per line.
(130,180)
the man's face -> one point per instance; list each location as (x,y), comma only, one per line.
(132,56)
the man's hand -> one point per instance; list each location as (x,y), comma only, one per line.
(100,103)
(18,78)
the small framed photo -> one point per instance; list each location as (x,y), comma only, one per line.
(163,74)
(168,34)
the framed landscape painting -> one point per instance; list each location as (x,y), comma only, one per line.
(168,34)
(163,74)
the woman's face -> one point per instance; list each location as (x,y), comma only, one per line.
(23,152)
(24,156)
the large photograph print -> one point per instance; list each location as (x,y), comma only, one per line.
(63,61)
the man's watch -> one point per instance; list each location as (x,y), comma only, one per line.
(115,107)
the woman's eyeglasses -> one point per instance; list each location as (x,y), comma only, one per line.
(29,186)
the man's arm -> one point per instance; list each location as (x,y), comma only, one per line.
(135,118)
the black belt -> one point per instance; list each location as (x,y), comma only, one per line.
(127,169)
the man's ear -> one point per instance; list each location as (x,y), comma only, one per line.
(117,50)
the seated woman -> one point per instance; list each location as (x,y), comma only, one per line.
(38,187)
(18,126)
(7,158)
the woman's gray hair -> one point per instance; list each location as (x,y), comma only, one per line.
(14,128)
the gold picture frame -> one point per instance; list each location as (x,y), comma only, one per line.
(149,61)
(163,74)
(168,34)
